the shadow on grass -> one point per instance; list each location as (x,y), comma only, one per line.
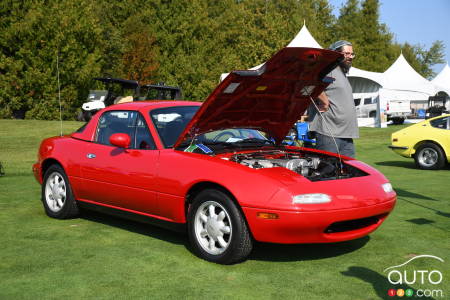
(284,253)
(404,193)
(404,164)
(261,251)
(398,164)
(136,227)
(438,212)
(380,283)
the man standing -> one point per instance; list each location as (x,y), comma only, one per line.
(336,124)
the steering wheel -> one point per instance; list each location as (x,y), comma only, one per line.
(222,134)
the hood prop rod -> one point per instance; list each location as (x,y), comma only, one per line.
(341,167)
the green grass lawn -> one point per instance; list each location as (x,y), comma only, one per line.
(101,257)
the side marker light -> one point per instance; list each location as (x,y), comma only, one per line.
(266,215)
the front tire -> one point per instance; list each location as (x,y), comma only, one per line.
(429,156)
(217,229)
(57,196)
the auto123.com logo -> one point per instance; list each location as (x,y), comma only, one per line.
(406,275)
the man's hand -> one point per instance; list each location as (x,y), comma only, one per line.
(323,103)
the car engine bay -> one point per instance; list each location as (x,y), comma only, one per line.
(313,166)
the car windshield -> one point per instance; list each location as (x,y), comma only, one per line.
(224,139)
(171,121)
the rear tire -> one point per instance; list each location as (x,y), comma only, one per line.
(57,196)
(398,121)
(429,156)
(217,229)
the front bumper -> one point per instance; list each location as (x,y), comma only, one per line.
(398,147)
(401,150)
(296,227)
(37,172)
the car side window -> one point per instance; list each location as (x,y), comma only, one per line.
(441,123)
(112,122)
(142,138)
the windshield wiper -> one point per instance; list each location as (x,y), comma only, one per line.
(255,141)
(240,143)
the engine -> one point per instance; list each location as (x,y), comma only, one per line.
(312,166)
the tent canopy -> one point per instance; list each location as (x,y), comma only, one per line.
(442,81)
(401,76)
(304,39)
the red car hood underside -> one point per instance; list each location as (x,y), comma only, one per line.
(270,99)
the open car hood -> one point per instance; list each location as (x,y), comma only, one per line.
(271,98)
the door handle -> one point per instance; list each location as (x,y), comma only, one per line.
(90,155)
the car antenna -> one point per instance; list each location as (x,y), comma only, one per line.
(329,130)
(59,93)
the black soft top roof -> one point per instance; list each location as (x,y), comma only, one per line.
(128,84)
(161,87)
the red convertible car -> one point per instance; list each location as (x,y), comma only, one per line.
(219,170)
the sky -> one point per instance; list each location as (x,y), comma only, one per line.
(415,21)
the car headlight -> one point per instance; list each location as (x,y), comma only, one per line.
(387,187)
(311,199)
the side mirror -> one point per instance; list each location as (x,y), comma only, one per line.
(121,140)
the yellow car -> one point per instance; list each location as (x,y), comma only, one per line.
(428,142)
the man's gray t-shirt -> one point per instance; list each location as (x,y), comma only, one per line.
(340,118)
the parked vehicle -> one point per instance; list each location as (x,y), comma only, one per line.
(437,106)
(428,142)
(398,110)
(366,107)
(159,92)
(219,170)
(121,90)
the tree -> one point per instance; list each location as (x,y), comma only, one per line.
(182,43)
(421,59)
(30,46)
(371,39)
(139,60)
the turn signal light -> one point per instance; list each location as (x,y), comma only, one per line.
(265,215)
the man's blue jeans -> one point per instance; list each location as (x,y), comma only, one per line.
(345,145)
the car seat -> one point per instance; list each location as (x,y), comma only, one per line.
(113,127)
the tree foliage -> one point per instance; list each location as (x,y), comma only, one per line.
(183,43)
(139,60)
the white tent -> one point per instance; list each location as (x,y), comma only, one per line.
(304,39)
(365,81)
(399,82)
(442,81)
(403,82)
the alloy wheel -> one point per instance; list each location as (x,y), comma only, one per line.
(213,229)
(55,192)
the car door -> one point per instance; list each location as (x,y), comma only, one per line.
(117,177)
(441,133)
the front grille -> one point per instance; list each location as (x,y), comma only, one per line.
(349,225)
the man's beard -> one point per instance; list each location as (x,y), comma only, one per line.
(345,67)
